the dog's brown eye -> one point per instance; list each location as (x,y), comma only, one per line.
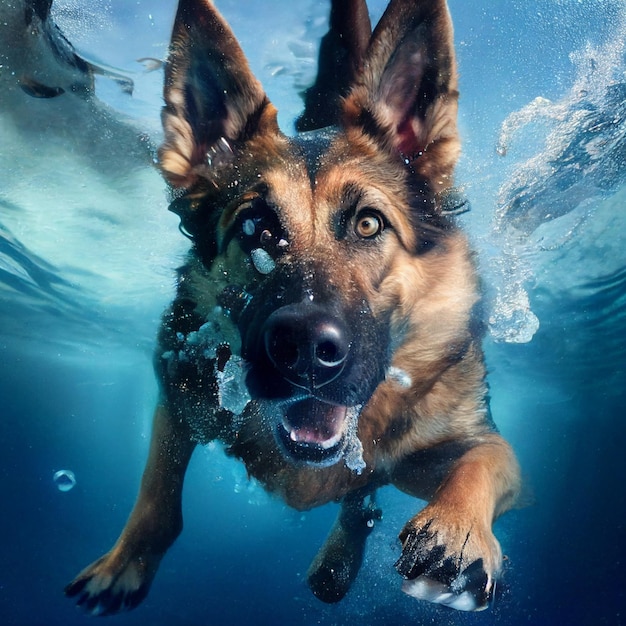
(368,225)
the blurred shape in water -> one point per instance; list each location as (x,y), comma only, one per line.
(585,142)
(547,201)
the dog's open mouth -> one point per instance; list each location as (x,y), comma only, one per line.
(314,431)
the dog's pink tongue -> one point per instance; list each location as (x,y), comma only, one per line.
(314,422)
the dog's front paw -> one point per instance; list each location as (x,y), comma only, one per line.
(449,562)
(110,585)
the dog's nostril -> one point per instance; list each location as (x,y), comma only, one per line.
(329,353)
(326,353)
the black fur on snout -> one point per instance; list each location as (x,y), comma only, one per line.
(297,340)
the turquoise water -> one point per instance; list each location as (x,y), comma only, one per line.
(87,258)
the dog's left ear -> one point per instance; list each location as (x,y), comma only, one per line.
(405,99)
(212,99)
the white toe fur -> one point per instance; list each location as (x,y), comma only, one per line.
(424,588)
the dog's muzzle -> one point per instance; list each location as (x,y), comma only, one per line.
(312,367)
(308,347)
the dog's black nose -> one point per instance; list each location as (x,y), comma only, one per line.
(306,344)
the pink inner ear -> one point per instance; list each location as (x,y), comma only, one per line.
(398,93)
(408,142)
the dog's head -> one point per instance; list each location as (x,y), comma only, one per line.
(319,248)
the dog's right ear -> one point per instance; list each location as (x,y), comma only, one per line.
(211,97)
(405,98)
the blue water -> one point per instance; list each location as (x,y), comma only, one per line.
(87,253)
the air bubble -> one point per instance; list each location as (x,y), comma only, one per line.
(262,261)
(64,480)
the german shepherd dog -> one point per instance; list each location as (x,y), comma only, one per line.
(326,324)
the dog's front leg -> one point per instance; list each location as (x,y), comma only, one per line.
(337,564)
(120,579)
(449,553)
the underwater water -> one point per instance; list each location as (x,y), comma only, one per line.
(88,253)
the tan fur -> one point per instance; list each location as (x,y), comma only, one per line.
(412,287)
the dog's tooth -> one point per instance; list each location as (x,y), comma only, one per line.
(262,261)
